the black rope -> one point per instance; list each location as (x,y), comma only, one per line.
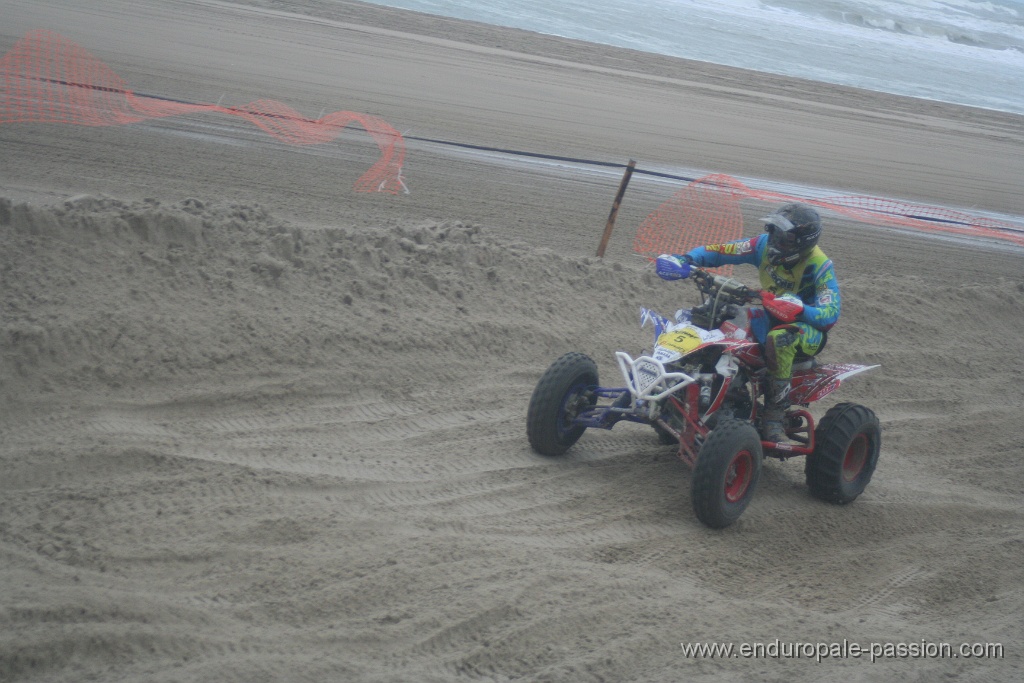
(516,152)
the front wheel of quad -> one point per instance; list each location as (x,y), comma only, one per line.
(726,474)
(562,393)
(847,443)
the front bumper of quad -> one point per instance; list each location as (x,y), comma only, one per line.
(672,402)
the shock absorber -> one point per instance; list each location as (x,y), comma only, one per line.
(705,394)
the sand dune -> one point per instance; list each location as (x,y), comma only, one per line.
(257,426)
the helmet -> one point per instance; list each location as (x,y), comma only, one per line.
(793,230)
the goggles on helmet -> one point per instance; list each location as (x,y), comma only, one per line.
(781,233)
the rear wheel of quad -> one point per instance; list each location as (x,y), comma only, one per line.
(847,443)
(726,474)
(562,393)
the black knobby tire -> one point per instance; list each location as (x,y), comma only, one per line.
(726,474)
(847,444)
(561,393)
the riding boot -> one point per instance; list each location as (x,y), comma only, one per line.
(776,402)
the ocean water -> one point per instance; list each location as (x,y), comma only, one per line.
(962,51)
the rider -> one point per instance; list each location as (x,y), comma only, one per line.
(789,262)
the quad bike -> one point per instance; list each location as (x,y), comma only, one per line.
(702,389)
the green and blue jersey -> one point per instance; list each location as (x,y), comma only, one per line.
(812,280)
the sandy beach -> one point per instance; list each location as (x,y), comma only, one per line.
(258,426)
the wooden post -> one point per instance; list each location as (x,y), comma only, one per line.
(615,208)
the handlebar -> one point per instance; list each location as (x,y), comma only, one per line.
(723,296)
(725,289)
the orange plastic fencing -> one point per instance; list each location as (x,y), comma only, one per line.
(708,211)
(46,78)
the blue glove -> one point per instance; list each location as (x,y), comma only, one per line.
(670,267)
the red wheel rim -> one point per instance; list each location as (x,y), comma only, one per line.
(737,477)
(856,456)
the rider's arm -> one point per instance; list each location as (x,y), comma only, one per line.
(739,251)
(824,311)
